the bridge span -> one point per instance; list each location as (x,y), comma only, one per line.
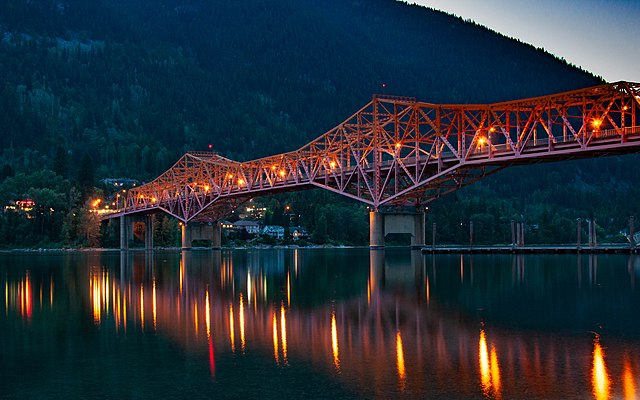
(398,152)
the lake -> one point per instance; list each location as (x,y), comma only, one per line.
(318,323)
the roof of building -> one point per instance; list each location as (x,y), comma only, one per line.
(242,223)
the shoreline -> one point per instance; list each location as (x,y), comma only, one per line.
(171,249)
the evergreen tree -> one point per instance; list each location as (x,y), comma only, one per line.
(6,172)
(319,235)
(86,175)
(60,162)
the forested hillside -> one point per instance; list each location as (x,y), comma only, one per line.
(112,88)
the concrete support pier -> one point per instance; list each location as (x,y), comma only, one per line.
(125,232)
(216,238)
(381,224)
(210,231)
(148,232)
(186,236)
(376,230)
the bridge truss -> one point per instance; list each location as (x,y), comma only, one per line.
(396,151)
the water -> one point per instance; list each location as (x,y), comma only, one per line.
(318,324)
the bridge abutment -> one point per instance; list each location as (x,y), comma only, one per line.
(381,224)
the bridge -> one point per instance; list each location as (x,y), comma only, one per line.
(397,152)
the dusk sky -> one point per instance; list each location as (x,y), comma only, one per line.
(600,36)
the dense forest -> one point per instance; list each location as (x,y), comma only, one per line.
(120,89)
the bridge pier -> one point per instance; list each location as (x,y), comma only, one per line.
(216,238)
(381,224)
(186,236)
(126,231)
(126,227)
(202,231)
(376,230)
(148,232)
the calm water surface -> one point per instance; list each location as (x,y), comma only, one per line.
(319,324)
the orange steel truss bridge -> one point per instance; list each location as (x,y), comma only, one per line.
(397,151)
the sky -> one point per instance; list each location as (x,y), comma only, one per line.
(600,36)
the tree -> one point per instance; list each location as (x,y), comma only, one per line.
(320,233)
(86,175)
(60,161)
(7,172)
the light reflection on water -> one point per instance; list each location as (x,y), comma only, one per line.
(379,324)
(601,383)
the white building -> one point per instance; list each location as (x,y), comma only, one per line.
(299,232)
(275,231)
(252,227)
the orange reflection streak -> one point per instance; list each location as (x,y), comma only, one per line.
(426,289)
(117,309)
(195,318)
(369,291)
(242,322)
(231,331)
(142,307)
(483,356)
(124,312)
(95,299)
(334,341)
(283,332)
(402,375)
(207,313)
(51,292)
(265,288)
(599,376)
(155,308)
(275,338)
(114,297)
(495,372)
(628,380)
(105,290)
(27,297)
(249,287)
(181,275)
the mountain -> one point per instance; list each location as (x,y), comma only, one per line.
(128,86)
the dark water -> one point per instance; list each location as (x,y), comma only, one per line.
(319,324)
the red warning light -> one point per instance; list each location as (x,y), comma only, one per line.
(210,146)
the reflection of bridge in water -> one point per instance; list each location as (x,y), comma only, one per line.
(395,332)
